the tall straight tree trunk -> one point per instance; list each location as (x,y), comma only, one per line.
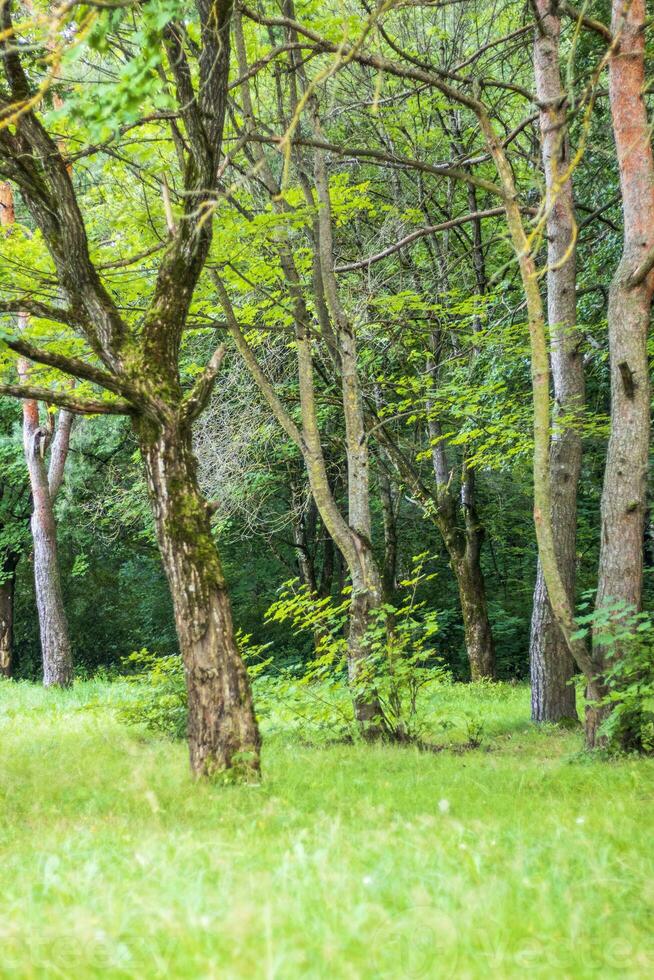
(7,587)
(551,664)
(223,732)
(624,495)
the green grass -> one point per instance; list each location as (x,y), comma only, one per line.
(521,859)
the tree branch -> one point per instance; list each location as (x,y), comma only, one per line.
(73,366)
(420,233)
(593,25)
(41,310)
(200,393)
(246,352)
(80,406)
(641,273)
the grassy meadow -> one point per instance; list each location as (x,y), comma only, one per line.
(523,857)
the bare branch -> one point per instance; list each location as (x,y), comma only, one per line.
(420,233)
(246,352)
(593,25)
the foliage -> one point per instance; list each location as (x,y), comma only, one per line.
(400,661)
(628,637)
(160,700)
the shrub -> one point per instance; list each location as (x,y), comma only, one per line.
(401,662)
(629,677)
(159,698)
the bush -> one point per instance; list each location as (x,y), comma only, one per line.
(629,678)
(400,663)
(159,699)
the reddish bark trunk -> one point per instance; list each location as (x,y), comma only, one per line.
(53,625)
(624,494)
(624,499)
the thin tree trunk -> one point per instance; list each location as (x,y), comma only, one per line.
(389,519)
(53,625)
(222,732)
(7,586)
(472,586)
(351,537)
(624,495)
(551,664)
(463,545)
(305,561)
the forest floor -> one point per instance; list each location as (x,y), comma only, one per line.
(523,857)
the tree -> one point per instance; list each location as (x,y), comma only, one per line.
(624,495)
(139,366)
(552,666)
(45,484)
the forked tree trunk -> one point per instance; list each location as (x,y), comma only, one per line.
(53,625)
(222,729)
(463,545)
(551,664)
(7,586)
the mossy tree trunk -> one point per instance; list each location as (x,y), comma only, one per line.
(222,729)
(138,364)
(552,666)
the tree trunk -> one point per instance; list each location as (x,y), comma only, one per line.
(552,666)
(53,625)
(474,610)
(365,603)
(222,729)
(389,519)
(624,495)
(463,546)
(7,585)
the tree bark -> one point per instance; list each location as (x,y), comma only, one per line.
(222,732)
(551,664)
(463,545)
(466,562)
(624,495)
(53,625)
(7,586)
